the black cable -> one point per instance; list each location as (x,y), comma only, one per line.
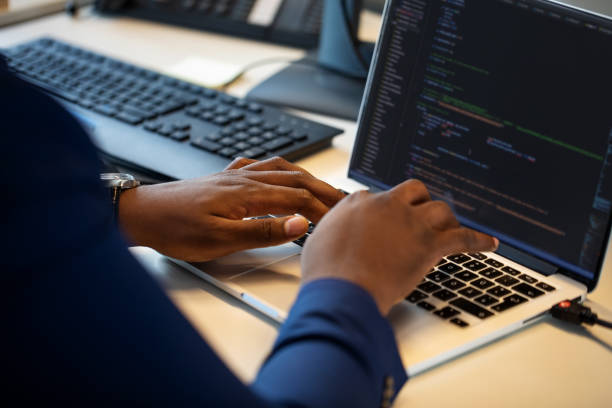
(576,313)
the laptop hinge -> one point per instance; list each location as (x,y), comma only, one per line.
(527,260)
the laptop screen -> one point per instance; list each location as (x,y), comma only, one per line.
(503,108)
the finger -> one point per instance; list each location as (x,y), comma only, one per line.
(275,163)
(270,199)
(411,192)
(320,189)
(239,163)
(466,240)
(440,215)
(257,233)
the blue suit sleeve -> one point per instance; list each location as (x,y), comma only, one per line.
(86,324)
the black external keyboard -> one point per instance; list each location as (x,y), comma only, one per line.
(466,288)
(158,123)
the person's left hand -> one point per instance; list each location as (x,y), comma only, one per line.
(202,219)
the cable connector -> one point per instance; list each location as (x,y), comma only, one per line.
(576,313)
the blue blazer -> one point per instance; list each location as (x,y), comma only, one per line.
(86,325)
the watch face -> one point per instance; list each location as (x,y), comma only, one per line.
(116,176)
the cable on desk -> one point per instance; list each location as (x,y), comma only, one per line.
(266,61)
(576,313)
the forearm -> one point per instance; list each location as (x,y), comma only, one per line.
(334,350)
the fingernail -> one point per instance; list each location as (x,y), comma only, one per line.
(496,242)
(296,226)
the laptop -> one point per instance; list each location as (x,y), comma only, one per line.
(502,108)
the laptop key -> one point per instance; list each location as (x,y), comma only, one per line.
(459,258)
(482,283)
(490,273)
(506,280)
(444,294)
(471,308)
(474,265)
(528,290)
(470,292)
(499,291)
(416,296)
(494,263)
(449,267)
(446,312)
(478,256)
(465,276)
(438,276)
(528,279)
(510,301)
(486,300)
(426,306)
(458,322)
(428,287)
(545,286)
(510,271)
(453,284)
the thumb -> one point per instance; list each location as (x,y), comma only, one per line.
(467,240)
(263,232)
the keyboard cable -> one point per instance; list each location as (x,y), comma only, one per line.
(578,314)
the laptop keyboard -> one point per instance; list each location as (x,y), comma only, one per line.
(467,288)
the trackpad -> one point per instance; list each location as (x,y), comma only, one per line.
(277,283)
(228,267)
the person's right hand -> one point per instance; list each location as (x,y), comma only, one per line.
(387,242)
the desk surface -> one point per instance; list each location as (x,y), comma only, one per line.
(548,364)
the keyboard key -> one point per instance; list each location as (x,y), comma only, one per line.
(449,267)
(268,126)
(528,290)
(277,144)
(482,283)
(107,110)
(165,130)
(227,152)
(486,300)
(428,287)
(499,291)
(545,286)
(465,276)
(491,273)
(221,120)
(528,279)
(128,118)
(253,153)
(283,131)
(444,294)
(227,141)
(470,292)
(478,256)
(152,126)
(459,322)
(255,107)
(474,265)
(471,308)
(442,262)
(416,296)
(255,121)
(453,284)
(458,258)
(298,136)
(426,306)
(205,144)
(494,263)
(506,280)
(510,271)
(180,135)
(255,131)
(256,141)
(510,301)
(181,125)
(446,312)
(242,136)
(269,135)
(242,146)
(438,276)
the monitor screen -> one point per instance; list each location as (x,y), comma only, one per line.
(503,108)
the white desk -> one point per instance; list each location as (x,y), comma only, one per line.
(548,364)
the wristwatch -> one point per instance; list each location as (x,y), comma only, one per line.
(117,183)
